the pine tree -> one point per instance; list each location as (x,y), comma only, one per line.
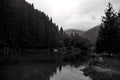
(24,27)
(108,39)
(61,32)
(119,17)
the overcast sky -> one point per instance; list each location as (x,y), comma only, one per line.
(75,14)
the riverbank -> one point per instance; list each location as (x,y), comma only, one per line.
(29,56)
(108,69)
(73,55)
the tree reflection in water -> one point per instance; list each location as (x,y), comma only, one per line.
(41,71)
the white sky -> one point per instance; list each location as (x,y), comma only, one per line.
(74,14)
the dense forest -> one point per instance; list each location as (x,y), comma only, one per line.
(24,27)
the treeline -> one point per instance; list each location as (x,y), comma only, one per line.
(24,27)
(76,41)
(28,31)
(77,47)
(108,40)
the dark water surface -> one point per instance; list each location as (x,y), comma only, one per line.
(41,71)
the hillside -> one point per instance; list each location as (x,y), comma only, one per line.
(24,27)
(91,34)
(69,31)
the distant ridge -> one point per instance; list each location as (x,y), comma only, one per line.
(91,34)
(69,31)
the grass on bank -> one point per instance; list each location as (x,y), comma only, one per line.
(107,69)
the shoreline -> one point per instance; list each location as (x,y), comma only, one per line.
(101,71)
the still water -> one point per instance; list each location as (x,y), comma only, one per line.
(42,71)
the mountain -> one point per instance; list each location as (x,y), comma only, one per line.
(69,31)
(91,34)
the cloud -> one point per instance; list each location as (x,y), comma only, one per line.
(77,14)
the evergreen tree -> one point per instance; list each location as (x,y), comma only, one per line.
(119,17)
(108,39)
(61,32)
(23,27)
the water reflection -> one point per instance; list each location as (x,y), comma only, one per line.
(69,73)
(43,71)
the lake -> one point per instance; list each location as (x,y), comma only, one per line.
(41,71)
